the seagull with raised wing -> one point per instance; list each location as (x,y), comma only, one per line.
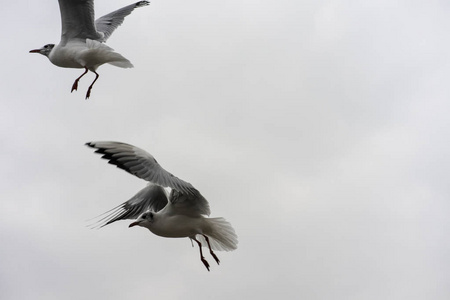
(82,38)
(181,213)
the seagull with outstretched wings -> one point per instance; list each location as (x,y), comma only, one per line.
(82,38)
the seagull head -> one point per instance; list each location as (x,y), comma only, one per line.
(145,220)
(44,50)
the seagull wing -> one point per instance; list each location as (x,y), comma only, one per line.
(141,164)
(108,23)
(152,197)
(77,20)
(189,205)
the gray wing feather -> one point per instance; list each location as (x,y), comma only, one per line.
(152,197)
(77,20)
(108,23)
(189,205)
(141,164)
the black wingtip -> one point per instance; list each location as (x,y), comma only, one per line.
(142,3)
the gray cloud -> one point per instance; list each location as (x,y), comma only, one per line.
(318,129)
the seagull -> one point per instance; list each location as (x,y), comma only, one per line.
(181,213)
(82,40)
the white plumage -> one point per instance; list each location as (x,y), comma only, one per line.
(180,213)
(82,39)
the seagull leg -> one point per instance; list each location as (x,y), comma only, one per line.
(75,84)
(90,87)
(201,254)
(210,250)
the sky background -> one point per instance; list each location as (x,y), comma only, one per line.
(319,129)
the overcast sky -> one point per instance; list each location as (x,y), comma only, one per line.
(319,129)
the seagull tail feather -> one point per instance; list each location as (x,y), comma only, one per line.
(106,54)
(221,235)
(125,63)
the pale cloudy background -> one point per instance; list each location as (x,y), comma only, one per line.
(319,129)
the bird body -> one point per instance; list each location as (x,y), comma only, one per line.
(90,54)
(82,38)
(174,226)
(181,213)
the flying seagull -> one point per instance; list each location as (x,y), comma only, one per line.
(181,213)
(82,38)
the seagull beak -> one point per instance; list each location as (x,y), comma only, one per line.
(35,51)
(134,224)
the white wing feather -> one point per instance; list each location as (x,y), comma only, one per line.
(108,23)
